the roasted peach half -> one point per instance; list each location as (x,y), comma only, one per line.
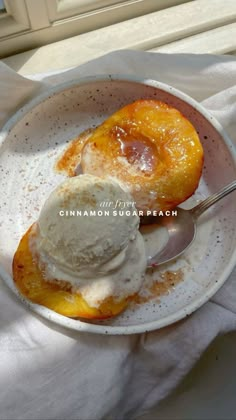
(151,149)
(29,279)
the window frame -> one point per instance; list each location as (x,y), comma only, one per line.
(15,19)
(32,23)
(68,8)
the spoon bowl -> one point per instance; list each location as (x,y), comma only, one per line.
(182,228)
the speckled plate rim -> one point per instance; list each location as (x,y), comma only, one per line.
(132,329)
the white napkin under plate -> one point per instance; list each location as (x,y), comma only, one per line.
(47,372)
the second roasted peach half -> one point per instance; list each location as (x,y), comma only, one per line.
(151,149)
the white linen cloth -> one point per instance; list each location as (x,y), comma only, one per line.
(47,372)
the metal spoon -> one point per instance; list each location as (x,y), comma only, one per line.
(182,228)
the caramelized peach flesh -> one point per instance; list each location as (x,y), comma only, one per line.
(30,281)
(152,149)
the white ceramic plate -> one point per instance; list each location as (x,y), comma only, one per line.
(37,134)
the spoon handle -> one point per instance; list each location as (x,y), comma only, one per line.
(205,204)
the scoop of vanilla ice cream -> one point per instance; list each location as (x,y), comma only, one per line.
(84,237)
